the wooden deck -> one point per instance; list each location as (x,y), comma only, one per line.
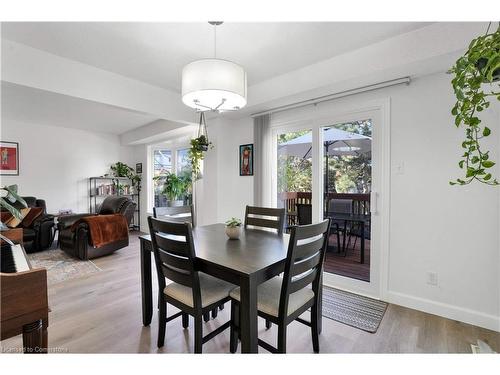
(349,265)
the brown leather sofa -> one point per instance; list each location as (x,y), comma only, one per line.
(77,243)
(39,234)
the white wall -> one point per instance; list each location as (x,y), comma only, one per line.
(452,231)
(55,162)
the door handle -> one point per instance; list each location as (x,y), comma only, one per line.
(373,202)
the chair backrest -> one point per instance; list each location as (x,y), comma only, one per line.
(340,206)
(118,205)
(179,214)
(174,252)
(264,217)
(304,262)
(304,213)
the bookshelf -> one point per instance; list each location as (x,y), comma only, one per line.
(102,187)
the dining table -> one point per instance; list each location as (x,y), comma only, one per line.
(247,262)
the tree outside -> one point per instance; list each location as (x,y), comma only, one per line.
(347,173)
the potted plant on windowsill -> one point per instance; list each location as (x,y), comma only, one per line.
(233,228)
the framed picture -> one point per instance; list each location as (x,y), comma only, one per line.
(138,168)
(9,153)
(246,160)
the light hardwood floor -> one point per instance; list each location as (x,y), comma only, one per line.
(101,313)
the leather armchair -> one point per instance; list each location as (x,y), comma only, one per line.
(40,234)
(77,243)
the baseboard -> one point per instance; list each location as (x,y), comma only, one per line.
(469,316)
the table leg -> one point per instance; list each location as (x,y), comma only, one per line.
(362,243)
(248,313)
(146,284)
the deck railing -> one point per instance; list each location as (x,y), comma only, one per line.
(360,202)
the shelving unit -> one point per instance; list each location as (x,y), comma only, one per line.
(116,187)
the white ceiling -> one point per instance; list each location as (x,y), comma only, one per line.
(156,52)
(27,104)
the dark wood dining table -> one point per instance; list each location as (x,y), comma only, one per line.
(254,258)
(361,219)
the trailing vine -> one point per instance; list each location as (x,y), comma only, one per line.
(477,79)
(196,154)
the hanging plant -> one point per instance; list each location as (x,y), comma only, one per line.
(199,146)
(477,79)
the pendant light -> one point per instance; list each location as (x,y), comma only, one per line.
(214,84)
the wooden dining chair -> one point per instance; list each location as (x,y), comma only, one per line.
(264,217)
(179,214)
(282,300)
(193,292)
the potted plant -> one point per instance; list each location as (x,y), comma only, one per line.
(233,228)
(477,74)
(196,153)
(120,169)
(174,188)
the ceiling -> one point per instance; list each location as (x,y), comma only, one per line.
(156,52)
(27,104)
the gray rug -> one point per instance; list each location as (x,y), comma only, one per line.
(60,266)
(352,309)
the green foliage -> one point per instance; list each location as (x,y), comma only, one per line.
(476,79)
(120,169)
(8,197)
(196,154)
(233,222)
(174,187)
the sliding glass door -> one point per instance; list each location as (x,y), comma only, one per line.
(332,165)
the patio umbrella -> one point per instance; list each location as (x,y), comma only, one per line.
(337,142)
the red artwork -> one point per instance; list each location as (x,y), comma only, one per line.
(9,156)
(246,160)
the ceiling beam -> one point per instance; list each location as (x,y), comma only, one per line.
(27,66)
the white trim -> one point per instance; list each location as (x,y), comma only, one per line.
(448,311)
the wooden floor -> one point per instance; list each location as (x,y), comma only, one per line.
(101,313)
(348,265)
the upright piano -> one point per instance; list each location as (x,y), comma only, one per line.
(23,299)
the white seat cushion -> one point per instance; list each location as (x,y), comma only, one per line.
(212,290)
(268,297)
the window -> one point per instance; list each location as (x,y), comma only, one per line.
(168,159)
(162,164)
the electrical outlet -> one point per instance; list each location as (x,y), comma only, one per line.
(432,278)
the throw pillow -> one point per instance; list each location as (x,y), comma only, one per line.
(14,222)
(31,216)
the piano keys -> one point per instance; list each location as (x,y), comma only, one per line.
(23,297)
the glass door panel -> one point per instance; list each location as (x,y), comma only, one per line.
(294,175)
(347,181)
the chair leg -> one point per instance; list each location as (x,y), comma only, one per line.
(233,335)
(281,338)
(185,320)
(198,334)
(214,313)
(206,316)
(162,322)
(268,324)
(314,327)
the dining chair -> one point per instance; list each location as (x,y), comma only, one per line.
(264,217)
(268,218)
(193,292)
(341,206)
(282,300)
(179,214)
